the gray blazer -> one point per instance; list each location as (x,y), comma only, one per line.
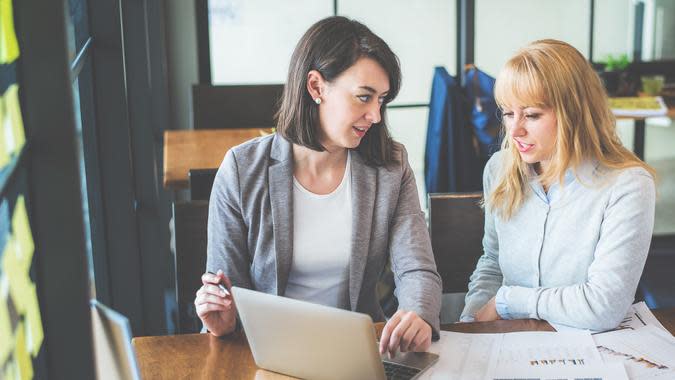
(250,228)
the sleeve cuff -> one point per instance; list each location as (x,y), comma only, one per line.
(519,302)
(501,304)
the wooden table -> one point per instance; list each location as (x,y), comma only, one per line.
(200,149)
(203,356)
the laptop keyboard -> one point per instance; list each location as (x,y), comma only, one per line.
(395,371)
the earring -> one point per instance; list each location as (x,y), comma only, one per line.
(317,101)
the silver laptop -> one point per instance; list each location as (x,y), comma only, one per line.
(312,341)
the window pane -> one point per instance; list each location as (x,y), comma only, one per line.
(252,41)
(83,188)
(613,29)
(409,127)
(503,27)
(78,27)
(421,33)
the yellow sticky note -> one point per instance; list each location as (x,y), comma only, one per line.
(21,354)
(4,156)
(5,324)
(4,148)
(19,282)
(22,233)
(13,110)
(9,47)
(11,371)
(34,333)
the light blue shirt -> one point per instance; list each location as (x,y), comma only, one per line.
(554,192)
(571,256)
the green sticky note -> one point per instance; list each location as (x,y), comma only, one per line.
(21,354)
(19,281)
(34,333)
(5,324)
(9,47)
(22,233)
(4,149)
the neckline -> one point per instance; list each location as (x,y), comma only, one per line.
(344,179)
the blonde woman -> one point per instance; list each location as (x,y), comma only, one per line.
(569,211)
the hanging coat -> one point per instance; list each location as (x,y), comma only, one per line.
(451,163)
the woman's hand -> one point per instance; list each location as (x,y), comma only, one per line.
(488,312)
(406,331)
(214,306)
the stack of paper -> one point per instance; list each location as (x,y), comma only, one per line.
(641,343)
(638,106)
(640,348)
(521,355)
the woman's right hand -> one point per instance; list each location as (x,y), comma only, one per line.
(215,307)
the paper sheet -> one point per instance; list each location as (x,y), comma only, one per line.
(637,316)
(480,356)
(461,356)
(611,371)
(647,352)
(545,353)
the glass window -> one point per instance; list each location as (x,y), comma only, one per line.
(83,187)
(78,32)
(503,27)
(252,41)
(422,34)
(409,127)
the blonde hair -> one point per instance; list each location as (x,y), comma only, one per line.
(553,74)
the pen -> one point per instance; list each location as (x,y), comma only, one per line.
(224,289)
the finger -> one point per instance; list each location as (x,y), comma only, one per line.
(212,289)
(210,278)
(422,341)
(204,298)
(407,327)
(388,328)
(397,334)
(204,309)
(407,341)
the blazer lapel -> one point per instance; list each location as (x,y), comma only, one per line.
(280,174)
(364,179)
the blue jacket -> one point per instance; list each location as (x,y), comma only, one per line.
(451,163)
(479,88)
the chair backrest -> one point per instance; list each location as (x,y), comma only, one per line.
(456,223)
(201,182)
(245,106)
(190,221)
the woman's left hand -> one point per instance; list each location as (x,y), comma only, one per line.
(488,312)
(406,331)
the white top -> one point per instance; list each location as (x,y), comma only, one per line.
(322,235)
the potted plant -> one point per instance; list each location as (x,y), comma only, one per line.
(617,78)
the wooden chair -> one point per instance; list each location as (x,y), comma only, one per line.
(245,106)
(201,182)
(190,220)
(456,223)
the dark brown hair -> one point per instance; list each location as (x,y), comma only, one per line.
(330,47)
